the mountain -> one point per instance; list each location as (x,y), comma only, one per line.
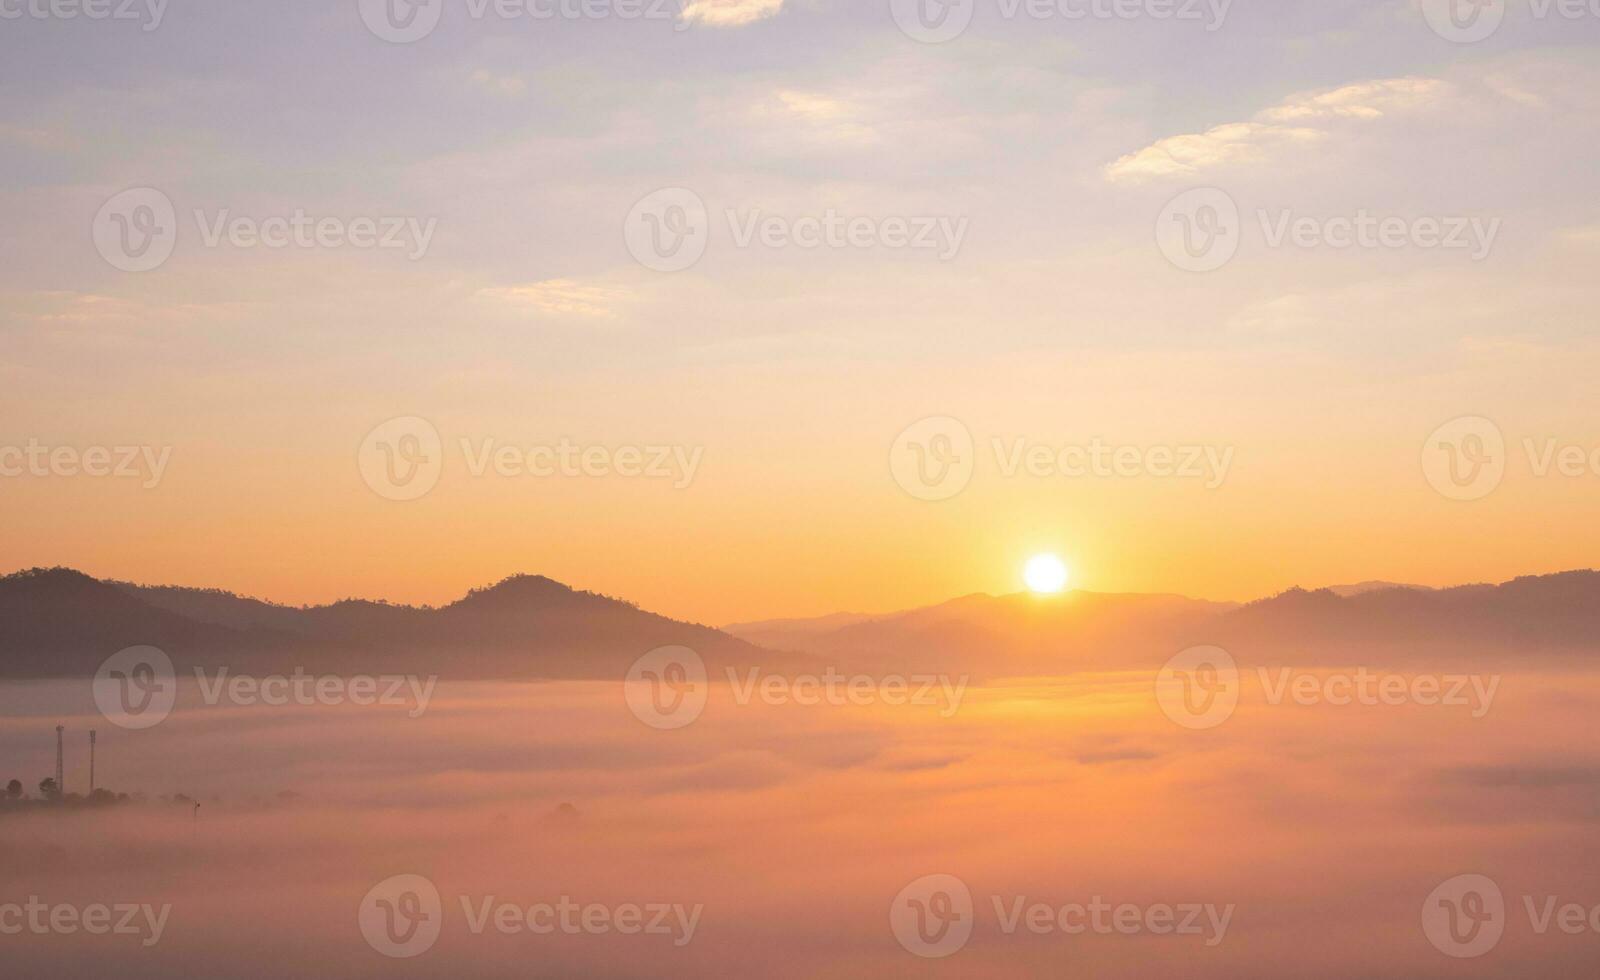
(59,622)
(1547,618)
(780,632)
(1360,588)
(1009,634)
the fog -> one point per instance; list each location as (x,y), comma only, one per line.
(792,829)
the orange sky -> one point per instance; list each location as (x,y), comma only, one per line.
(794,510)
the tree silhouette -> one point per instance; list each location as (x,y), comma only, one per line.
(48,789)
(14,789)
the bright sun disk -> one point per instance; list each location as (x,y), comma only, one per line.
(1045,574)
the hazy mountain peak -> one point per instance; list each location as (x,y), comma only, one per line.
(1375,585)
(522,592)
(56,579)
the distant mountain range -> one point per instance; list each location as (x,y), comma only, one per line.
(1548,617)
(59,622)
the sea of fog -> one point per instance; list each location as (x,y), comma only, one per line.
(564,837)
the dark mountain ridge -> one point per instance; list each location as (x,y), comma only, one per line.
(59,622)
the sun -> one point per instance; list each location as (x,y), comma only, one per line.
(1045,574)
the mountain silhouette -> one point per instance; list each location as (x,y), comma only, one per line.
(62,623)
(1537,618)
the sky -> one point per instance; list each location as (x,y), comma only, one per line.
(1017,274)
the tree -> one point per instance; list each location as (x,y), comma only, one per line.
(48,789)
(14,789)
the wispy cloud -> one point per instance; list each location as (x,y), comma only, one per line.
(730,13)
(1301,119)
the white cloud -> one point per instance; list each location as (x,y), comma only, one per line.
(1305,118)
(730,13)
